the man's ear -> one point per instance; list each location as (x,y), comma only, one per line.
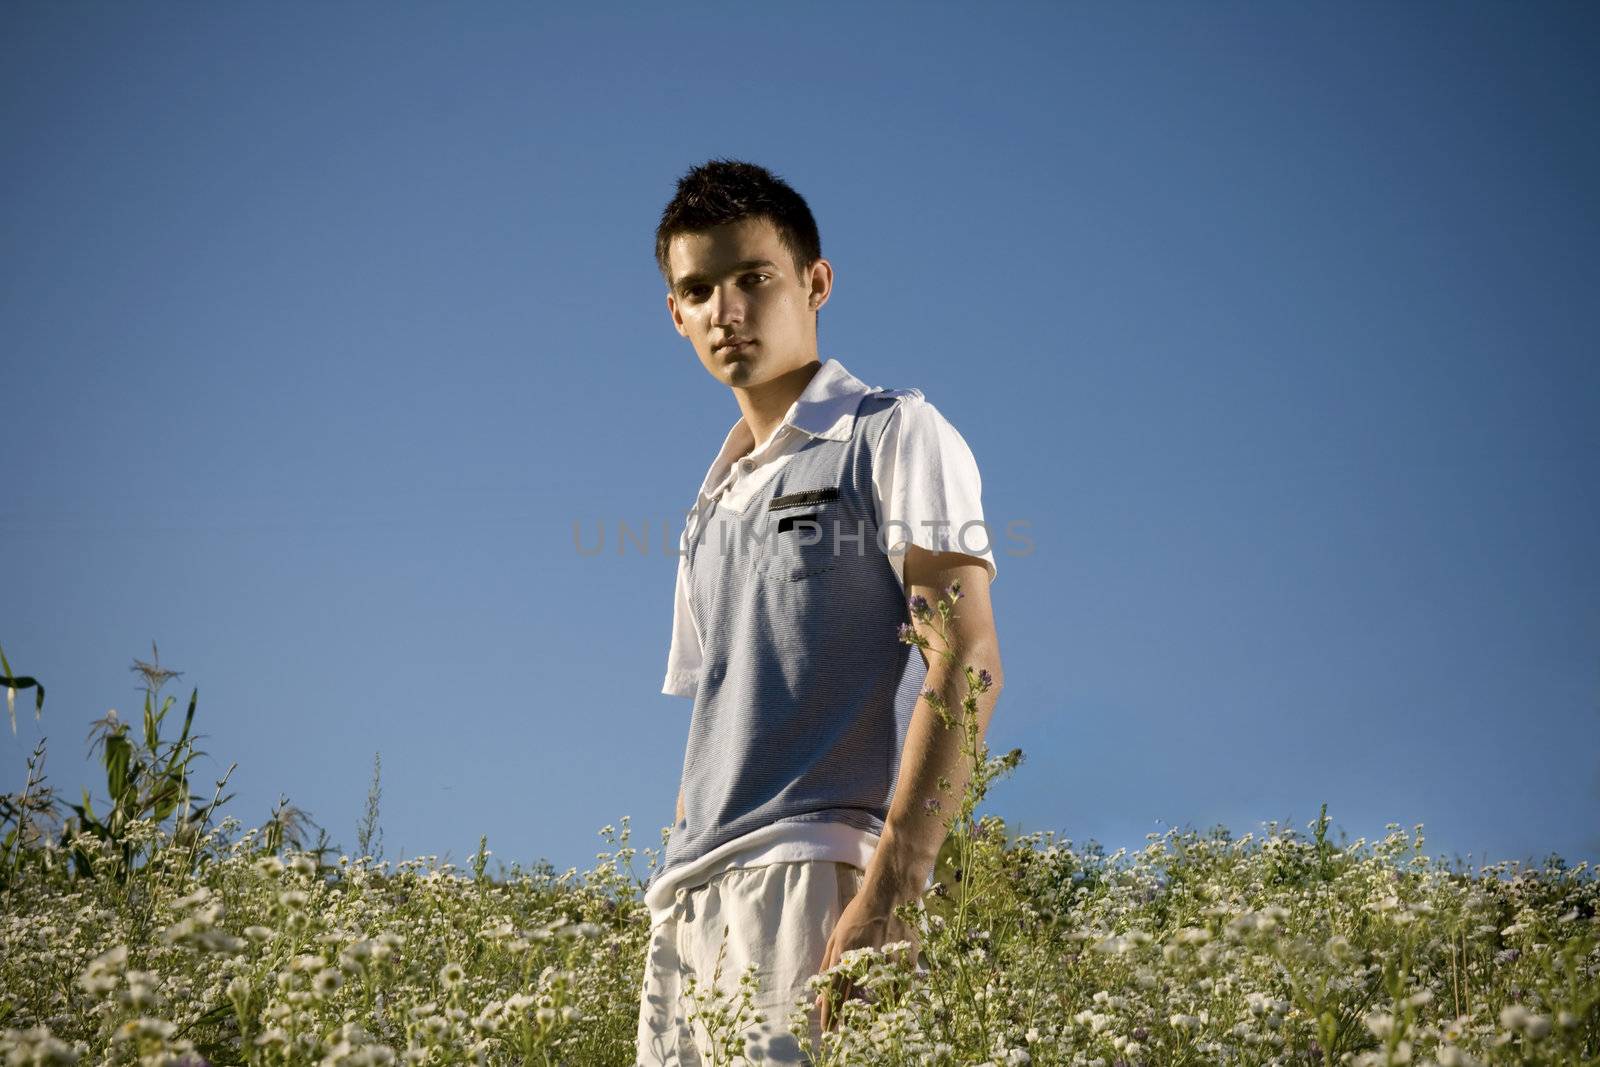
(820,279)
(677,320)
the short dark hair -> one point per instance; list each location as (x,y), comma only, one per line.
(727,190)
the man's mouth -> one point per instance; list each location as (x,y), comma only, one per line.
(728,348)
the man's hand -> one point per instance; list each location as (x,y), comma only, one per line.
(868,921)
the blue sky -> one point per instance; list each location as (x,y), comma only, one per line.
(323,325)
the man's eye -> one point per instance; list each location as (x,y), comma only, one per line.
(755,274)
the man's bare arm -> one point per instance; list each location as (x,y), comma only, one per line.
(679,817)
(909,845)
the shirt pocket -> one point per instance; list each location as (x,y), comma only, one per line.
(798,542)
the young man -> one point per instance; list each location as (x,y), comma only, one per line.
(804,812)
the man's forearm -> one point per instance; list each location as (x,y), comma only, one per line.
(679,817)
(914,829)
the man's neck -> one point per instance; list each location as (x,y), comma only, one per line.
(765,405)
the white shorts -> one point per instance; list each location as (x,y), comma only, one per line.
(777,916)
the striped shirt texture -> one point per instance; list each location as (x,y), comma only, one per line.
(789,596)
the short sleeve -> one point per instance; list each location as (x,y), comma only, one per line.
(928,490)
(684,654)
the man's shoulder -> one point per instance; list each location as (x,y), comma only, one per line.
(883,402)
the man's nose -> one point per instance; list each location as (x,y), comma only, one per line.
(727,306)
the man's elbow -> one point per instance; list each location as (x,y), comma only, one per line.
(997,682)
(990,696)
(997,671)
(982,654)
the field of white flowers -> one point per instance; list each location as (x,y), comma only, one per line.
(155,931)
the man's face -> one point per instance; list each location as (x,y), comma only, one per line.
(737,283)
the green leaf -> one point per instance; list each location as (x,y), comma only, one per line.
(86,816)
(118,754)
(12,684)
(188,719)
(165,801)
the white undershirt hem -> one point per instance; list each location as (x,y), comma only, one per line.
(782,842)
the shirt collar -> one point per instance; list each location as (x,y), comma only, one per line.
(827,406)
(826,409)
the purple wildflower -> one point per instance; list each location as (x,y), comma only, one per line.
(985,679)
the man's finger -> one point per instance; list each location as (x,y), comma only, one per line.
(835,992)
(830,957)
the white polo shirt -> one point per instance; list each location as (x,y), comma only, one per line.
(927,492)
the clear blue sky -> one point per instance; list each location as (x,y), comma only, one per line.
(322,325)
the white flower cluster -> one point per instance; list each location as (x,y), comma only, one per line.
(1202,951)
